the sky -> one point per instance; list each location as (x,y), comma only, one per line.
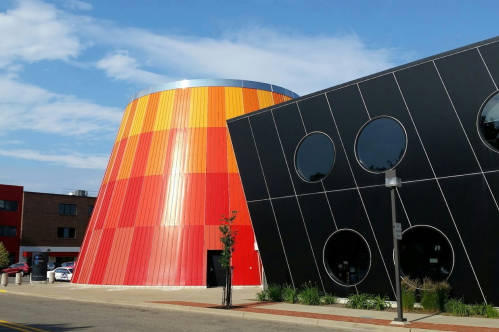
(69,67)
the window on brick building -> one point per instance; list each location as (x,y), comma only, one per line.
(8,231)
(90,210)
(8,205)
(67,209)
(66,233)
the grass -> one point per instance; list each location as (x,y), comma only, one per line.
(289,294)
(368,301)
(329,299)
(310,294)
(408,290)
(274,293)
(434,295)
(457,307)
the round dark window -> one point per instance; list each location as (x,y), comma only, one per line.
(488,122)
(314,157)
(425,252)
(347,257)
(381,144)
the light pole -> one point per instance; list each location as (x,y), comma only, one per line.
(392,182)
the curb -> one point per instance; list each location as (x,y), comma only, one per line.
(343,326)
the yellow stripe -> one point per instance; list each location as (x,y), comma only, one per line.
(165,110)
(123,122)
(3,291)
(20,327)
(139,116)
(198,109)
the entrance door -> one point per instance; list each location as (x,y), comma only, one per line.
(215,275)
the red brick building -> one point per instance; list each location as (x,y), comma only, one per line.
(32,222)
(54,223)
(11,206)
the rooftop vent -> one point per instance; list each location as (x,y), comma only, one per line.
(83,193)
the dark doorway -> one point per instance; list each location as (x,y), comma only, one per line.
(215,275)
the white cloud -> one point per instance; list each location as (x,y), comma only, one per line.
(298,62)
(72,160)
(36,31)
(121,66)
(25,106)
(77,5)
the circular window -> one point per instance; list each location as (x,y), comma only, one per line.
(347,257)
(381,144)
(425,252)
(314,157)
(488,122)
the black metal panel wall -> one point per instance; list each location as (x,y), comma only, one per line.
(450,177)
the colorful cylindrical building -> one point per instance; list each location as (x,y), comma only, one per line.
(171,176)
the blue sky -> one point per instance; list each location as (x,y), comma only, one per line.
(69,67)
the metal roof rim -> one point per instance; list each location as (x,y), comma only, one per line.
(194,83)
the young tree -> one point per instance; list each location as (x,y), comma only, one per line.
(228,240)
(4,256)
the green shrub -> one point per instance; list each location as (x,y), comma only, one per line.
(262,296)
(289,294)
(484,309)
(359,301)
(491,311)
(380,303)
(434,295)
(478,309)
(457,307)
(408,290)
(368,301)
(329,299)
(309,294)
(274,293)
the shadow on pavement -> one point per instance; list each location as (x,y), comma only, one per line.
(10,326)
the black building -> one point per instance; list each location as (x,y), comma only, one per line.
(313,175)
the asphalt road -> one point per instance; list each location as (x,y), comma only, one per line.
(33,314)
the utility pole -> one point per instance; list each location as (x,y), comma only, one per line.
(392,182)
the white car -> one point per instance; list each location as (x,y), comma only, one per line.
(63,273)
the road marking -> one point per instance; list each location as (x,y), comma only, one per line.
(20,327)
(14,328)
(3,291)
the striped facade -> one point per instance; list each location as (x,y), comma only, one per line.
(171,176)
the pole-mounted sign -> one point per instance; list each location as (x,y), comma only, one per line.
(393,182)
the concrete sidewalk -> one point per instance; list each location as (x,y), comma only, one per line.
(208,300)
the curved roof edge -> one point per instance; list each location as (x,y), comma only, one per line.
(214,82)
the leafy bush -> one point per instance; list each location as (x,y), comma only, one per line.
(329,299)
(274,293)
(434,294)
(358,301)
(484,309)
(408,290)
(491,311)
(380,303)
(4,256)
(262,296)
(457,307)
(309,294)
(368,301)
(289,294)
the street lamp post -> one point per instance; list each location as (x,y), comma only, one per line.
(392,182)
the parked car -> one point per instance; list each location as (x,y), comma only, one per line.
(22,268)
(63,273)
(68,264)
(52,266)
